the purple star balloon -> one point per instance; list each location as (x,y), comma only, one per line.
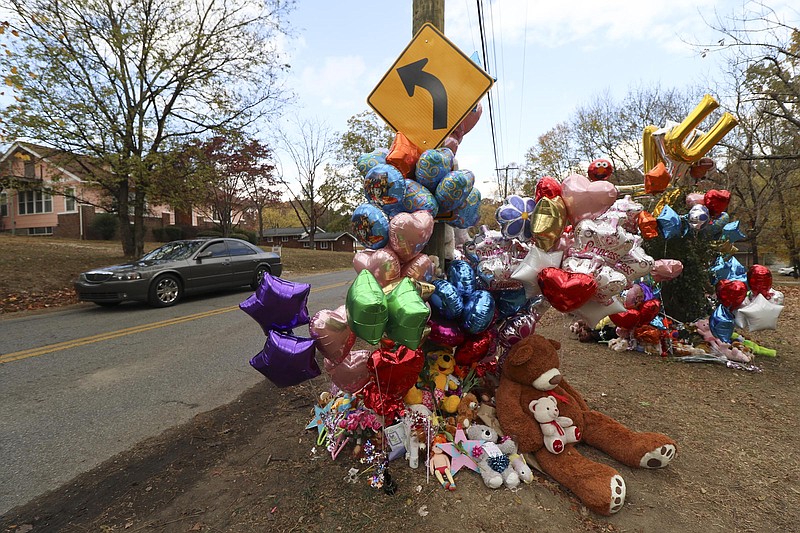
(287,360)
(278,304)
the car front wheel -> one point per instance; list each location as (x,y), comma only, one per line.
(165,291)
(259,276)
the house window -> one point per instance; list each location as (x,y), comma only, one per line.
(69,200)
(323,246)
(30,169)
(284,239)
(41,231)
(268,239)
(32,202)
(3,204)
(306,245)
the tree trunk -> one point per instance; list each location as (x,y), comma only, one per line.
(789,236)
(125,233)
(138,224)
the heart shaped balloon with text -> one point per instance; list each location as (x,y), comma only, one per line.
(409,233)
(383,264)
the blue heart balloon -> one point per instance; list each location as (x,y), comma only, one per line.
(721,323)
(669,223)
(418,198)
(370,226)
(454,189)
(478,311)
(462,277)
(446,300)
(468,214)
(433,166)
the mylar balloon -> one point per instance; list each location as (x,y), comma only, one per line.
(547,187)
(759,278)
(478,311)
(420,268)
(367,311)
(731,293)
(418,198)
(716,201)
(635,264)
(610,283)
(527,272)
(408,314)
(694,198)
(593,312)
(368,161)
(566,291)
(657,179)
(721,323)
(287,360)
(669,223)
(517,327)
(370,226)
(648,226)
(666,269)
(453,190)
(446,300)
(383,264)
(454,139)
(476,347)
(395,369)
(586,199)
(698,217)
(445,333)
(351,374)
(468,213)
(332,334)
(409,233)
(600,169)
(547,221)
(515,217)
(759,314)
(278,304)
(385,187)
(732,232)
(603,239)
(433,166)
(462,277)
(403,155)
(510,301)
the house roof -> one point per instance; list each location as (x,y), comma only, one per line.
(323,236)
(284,232)
(75,166)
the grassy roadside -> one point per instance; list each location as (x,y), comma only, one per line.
(37,272)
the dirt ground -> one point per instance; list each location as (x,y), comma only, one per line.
(249,466)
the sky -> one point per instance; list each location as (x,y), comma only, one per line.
(548,58)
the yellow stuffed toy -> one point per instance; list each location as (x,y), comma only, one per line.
(440,371)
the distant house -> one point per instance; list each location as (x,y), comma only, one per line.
(340,241)
(45,191)
(289,237)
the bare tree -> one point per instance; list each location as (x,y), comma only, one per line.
(316,189)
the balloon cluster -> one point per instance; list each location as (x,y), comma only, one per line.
(279,306)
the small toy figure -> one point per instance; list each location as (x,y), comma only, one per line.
(439,464)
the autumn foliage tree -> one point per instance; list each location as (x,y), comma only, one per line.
(116,82)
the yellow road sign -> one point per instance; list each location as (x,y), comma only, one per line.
(429,89)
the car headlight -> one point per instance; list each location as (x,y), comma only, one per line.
(127,276)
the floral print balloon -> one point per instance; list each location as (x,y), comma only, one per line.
(515,217)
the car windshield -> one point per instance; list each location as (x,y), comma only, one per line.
(173,251)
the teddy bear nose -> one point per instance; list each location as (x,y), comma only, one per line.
(555,380)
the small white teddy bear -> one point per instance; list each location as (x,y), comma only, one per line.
(558,431)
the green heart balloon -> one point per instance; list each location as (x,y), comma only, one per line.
(367,311)
(408,314)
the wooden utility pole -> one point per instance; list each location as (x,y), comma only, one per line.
(504,190)
(431,11)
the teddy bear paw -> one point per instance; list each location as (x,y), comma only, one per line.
(617,494)
(658,458)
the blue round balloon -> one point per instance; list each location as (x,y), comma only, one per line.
(462,277)
(721,323)
(367,162)
(418,198)
(669,223)
(468,213)
(385,187)
(509,301)
(370,226)
(446,301)
(478,312)
(454,189)
(433,166)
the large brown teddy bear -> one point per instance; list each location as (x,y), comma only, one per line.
(530,372)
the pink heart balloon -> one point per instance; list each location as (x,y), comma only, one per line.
(666,269)
(420,268)
(694,198)
(352,373)
(383,264)
(332,334)
(409,233)
(602,239)
(586,199)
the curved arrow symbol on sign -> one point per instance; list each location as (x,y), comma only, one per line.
(412,76)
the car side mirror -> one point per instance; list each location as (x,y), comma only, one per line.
(203,255)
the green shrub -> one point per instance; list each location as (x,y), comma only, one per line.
(209,233)
(246,235)
(104,225)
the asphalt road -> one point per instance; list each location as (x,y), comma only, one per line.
(79,385)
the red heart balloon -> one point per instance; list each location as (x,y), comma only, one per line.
(716,202)
(547,187)
(375,399)
(566,291)
(476,347)
(731,293)
(396,370)
(648,311)
(759,278)
(626,320)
